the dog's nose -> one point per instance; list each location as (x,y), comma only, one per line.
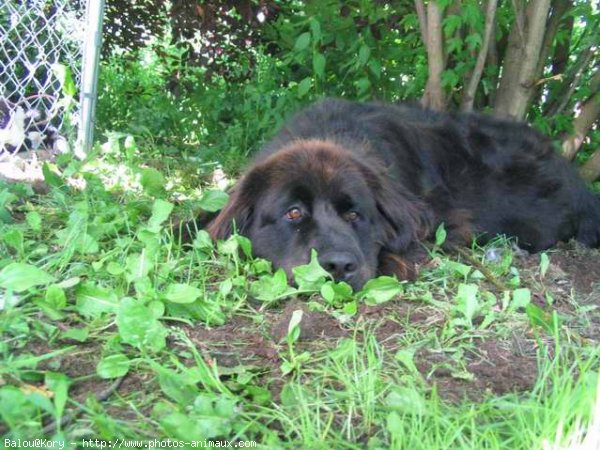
(341,265)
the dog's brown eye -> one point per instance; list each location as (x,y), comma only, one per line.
(293,214)
(351,216)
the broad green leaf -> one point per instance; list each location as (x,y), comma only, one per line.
(75,237)
(114,268)
(138,326)
(407,358)
(13,237)
(175,385)
(319,65)
(302,42)
(287,367)
(213,200)
(182,293)
(521,298)
(363,85)
(334,292)
(406,400)
(544,264)
(139,266)
(245,244)
(450,78)
(261,266)
(153,182)
(92,301)
(51,312)
(113,366)
(51,177)
(363,54)
(380,290)
(20,277)
(271,287)
(375,68)
(304,86)
(55,297)
(315,28)
(467,303)
(69,282)
(65,78)
(58,383)
(225,287)
(440,235)
(451,23)
(394,424)
(327,292)
(456,268)
(161,210)
(350,308)
(473,41)
(228,247)
(157,308)
(76,334)
(202,241)
(87,245)
(311,276)
(295,320)
(16,408)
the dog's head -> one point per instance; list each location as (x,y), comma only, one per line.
(315,194)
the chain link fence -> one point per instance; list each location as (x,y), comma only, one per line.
(41,52)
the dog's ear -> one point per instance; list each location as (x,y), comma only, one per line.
(405,219)
(239,210)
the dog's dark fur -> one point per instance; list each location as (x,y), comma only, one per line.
(403,170)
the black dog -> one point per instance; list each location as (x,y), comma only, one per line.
(362,183)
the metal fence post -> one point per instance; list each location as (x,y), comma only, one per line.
(89,77)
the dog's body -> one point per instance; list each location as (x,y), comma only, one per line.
(362,183)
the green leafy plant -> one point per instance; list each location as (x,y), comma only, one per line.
(294,361)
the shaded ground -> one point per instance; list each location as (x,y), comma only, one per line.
(495,364)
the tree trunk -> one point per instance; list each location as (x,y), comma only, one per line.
(521,61)
(469,93)
(434,95)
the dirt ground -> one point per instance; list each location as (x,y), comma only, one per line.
(498,364)
(495,364)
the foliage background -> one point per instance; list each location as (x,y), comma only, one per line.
(216,78)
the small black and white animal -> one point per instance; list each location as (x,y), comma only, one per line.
(28,129)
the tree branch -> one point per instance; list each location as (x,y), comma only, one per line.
(422,15)
(558,10)
(560,59)
(588,114)
(590,171)
(571,81)
(469,93)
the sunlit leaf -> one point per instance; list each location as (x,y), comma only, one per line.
(380,290)
(20,277)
